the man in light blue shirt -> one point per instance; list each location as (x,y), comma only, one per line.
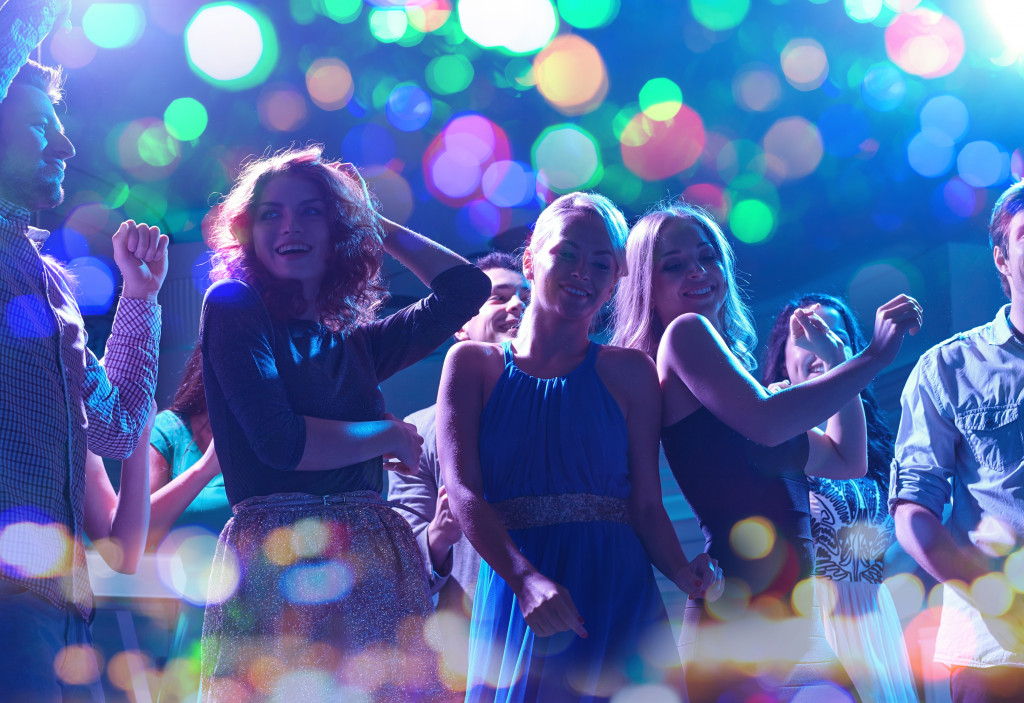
(961,438)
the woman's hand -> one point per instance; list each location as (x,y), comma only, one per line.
(701,579)
(899,316)
(811,333)
(406,449)
(547,607)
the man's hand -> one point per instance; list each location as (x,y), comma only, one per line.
(140,252)
(443,531)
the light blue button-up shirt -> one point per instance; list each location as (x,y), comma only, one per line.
(961,437)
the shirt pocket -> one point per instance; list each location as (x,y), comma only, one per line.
(994,436)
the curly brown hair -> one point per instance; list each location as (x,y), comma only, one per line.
(352,290)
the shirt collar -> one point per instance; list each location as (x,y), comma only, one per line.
(20,217)
(999,331)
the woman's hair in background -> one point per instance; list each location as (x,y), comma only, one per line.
(190,398)
(552,219)
(352,290)
(635,322)
(880,437)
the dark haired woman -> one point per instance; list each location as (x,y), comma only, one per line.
(850,522)
(318,591)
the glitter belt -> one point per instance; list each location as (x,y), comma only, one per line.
(298,501)
(540,511)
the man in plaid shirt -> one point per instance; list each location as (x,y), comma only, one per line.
(56,399)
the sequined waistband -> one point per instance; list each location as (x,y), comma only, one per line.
(540,511)
(300,501)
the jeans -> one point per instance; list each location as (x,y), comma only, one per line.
(46,653)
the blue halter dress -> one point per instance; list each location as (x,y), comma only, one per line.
(553,455)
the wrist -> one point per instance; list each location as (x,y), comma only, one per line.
(135,293)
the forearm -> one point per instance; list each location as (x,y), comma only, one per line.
(843,447)
(926,539)
(118,392)
(171,500)
(130,521)
(421,255)
(331,444)
(834,397)
(654,528)
(486,532)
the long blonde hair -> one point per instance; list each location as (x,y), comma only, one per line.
(636,325)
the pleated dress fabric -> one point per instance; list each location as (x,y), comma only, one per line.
(563,442)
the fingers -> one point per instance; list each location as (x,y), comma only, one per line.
(143,242)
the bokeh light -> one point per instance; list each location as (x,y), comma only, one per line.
(281,108)
(588,14)
(478,221)
(185,561)
(863,10)
(947,114)
(95,287)
(925,43)
(428,15)
(751,221)
(1008,18)
(982,164)
(342,11)
(804,63)
(883,87)
(113,25)
(961,199)
(389,24)
(756,88)
(517,26)
(449,74)
(509,184)
(930,153)
(719,15)
(567,157)
(793,148)
(409,107)
(657,149)
(660,99)
(752,538)
(329,82)
(72,49)
(185,119)
(571,75)
(456,159)
(368,145)
(47,539)
(238,59)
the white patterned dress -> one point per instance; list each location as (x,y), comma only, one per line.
(852,530)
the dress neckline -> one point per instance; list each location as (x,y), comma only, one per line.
(588,360)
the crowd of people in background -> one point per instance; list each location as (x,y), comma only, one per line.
(513,558)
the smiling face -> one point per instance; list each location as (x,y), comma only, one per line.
(499,317)
(689,275)
(33,149)
(801,364)
(572,267)
(290,232)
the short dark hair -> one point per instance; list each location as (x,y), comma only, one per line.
(49,79)
(499,260)
(1009,204)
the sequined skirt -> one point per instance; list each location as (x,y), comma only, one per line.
(319,599)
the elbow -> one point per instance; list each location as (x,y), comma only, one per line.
(281,450)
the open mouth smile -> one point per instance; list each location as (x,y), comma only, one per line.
(293,248)
(576,291)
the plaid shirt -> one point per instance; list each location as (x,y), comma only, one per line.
(56,400)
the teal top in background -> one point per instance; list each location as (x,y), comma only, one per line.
(172,437)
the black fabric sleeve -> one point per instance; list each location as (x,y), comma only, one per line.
(236,335)
(410,334)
